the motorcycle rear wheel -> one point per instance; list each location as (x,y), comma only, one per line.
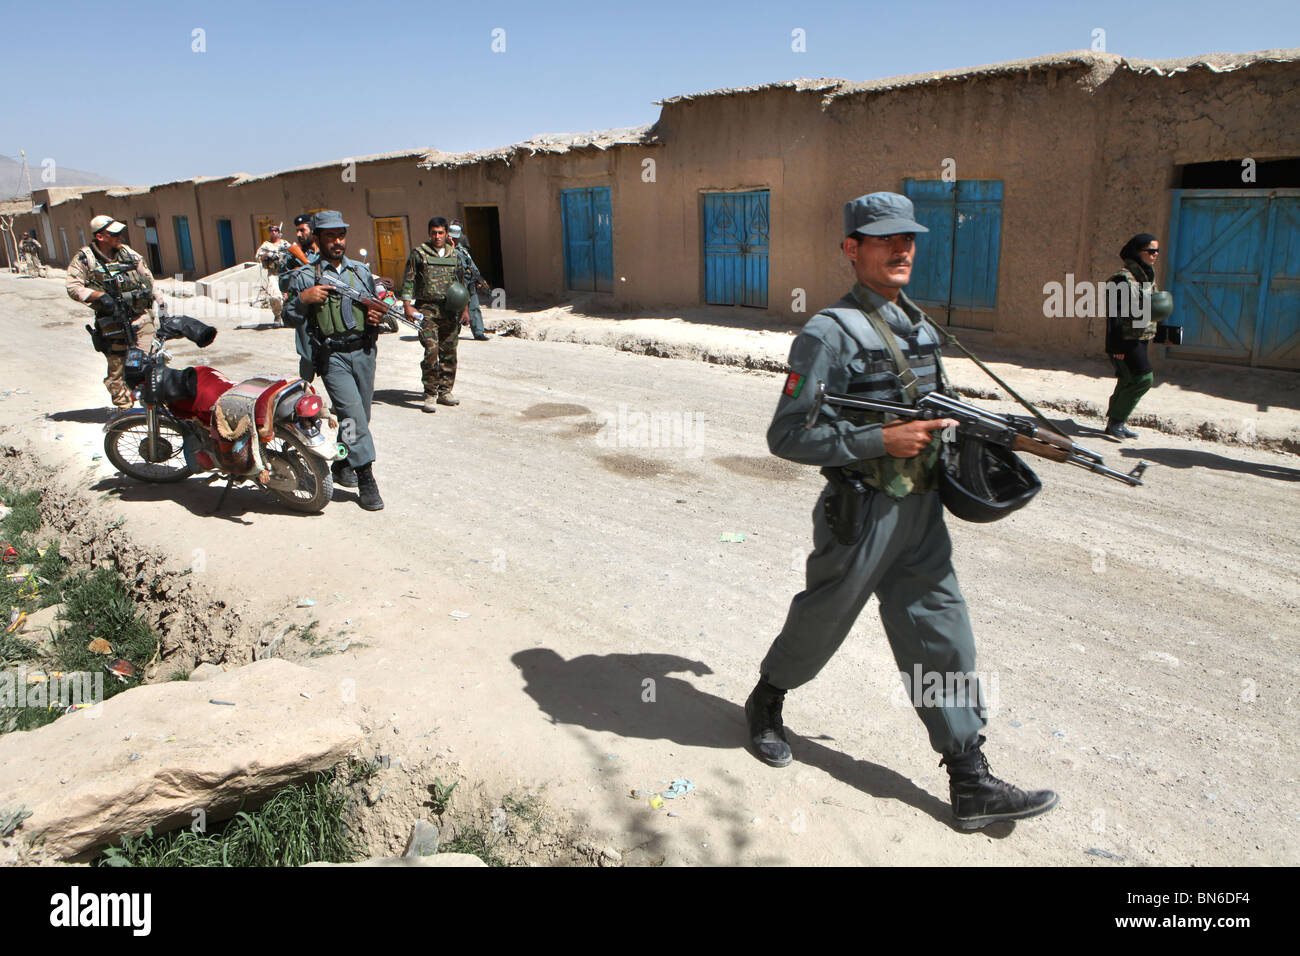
(315,480)
(126,442)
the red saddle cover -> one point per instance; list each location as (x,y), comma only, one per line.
(211,386)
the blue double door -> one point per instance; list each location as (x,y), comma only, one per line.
(737,236)
(956,265)
(1235,275)
(588,223)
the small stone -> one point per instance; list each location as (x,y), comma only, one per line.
(424,839)
(611,854)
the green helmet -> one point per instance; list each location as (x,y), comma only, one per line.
(456,300)
(1162,305)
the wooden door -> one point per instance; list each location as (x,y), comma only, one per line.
(390,248)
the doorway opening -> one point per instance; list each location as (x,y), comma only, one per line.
(483,230)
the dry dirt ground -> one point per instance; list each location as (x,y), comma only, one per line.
(1141,643)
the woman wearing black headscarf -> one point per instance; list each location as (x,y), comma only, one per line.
(1129,329)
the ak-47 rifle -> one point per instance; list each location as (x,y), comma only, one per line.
(1015,432)
(369,302)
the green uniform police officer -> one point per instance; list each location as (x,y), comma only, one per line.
(887,537)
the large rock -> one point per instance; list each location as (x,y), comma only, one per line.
(156,754)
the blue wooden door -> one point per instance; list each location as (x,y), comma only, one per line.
(957,260)
(1277,334)
(1235,275)
(226,236)
(183,248)
(736,243)
(587,219)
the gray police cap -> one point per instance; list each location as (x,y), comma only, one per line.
(327,219)
(880,214)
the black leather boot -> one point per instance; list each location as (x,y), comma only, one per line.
(1117,431)
(766,731)
(979,798)
(344,476)
(370,499)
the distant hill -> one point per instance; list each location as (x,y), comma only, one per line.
(13,184)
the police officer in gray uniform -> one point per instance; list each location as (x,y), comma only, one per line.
(342,336)
(878,527)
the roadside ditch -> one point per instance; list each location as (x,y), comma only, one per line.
(90,615)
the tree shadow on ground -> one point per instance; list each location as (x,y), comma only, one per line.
(400,398)
(199,496)
(605,693)
(1181,458)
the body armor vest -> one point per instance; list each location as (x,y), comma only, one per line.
(436,273)
(874,375)
(1134,304)
(120,277)
(333,315)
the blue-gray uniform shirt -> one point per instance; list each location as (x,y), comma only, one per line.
(827,351)
(298,313)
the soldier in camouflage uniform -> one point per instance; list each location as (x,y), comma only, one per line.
(109,267)
(271,254)
(875,343)
(31,252)
(431,268)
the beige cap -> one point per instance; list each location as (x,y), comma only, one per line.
(106,223)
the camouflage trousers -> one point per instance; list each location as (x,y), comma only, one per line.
(32,263)
(122,398)
(274,297)
(439,336)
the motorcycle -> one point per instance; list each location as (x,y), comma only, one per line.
(274,433)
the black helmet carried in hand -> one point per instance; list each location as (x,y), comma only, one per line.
(983,482)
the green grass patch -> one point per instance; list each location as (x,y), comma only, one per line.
(95,605)
(477,841)
(302,824)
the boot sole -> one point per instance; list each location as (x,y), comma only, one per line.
(979,823)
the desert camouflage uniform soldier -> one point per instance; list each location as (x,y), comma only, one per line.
(31,253)
(431,269)
(107,266)
(271,254)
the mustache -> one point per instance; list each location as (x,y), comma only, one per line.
(900,261)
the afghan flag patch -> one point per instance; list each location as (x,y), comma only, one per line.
(794,385)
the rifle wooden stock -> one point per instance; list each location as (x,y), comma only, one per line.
(295,250)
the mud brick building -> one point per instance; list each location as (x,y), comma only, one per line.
(1026,172)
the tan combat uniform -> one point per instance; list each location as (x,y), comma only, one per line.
(88,273)
(31,252)
(270,255)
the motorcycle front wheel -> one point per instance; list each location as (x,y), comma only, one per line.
(301,480)
(159,460)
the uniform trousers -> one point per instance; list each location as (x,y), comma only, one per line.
(439,335)
(114,382)
(350,382)
(904,557)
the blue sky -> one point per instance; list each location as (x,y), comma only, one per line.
(116,88)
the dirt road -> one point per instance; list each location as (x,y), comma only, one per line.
(1141,643)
